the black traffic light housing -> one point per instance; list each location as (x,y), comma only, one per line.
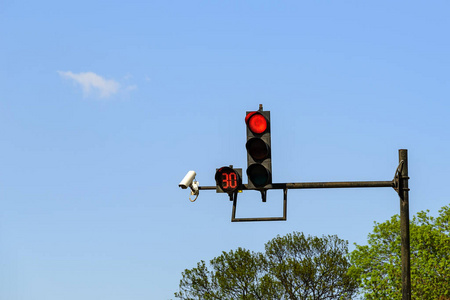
(228,180)
(259,156)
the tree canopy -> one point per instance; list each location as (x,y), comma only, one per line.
(294,266)
(302,267)
(378,264)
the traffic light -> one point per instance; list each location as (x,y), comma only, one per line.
(259,161)
(228,180)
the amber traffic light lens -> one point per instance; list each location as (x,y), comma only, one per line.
(257,149)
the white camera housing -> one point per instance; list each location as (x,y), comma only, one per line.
(187,180)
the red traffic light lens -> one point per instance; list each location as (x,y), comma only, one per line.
(228,179)
(256,122)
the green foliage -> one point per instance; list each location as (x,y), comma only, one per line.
(292,267)
(236,275)
(378,264)
(311,267)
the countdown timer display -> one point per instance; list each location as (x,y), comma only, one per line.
(228,179)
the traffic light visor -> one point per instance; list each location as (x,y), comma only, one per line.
(256,122)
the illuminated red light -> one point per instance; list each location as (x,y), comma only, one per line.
(228,179)
(256,122)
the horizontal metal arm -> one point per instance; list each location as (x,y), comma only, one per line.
(318,185)
(333,185)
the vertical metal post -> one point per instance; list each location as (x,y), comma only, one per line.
(404,224)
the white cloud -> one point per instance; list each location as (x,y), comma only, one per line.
(90,82)
(131,87)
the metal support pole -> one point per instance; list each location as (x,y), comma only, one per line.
(403,192)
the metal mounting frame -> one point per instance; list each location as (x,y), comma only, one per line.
(263,193)
(300,185)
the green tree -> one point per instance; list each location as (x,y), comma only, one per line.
(292,267)
(311,267)
(378,264)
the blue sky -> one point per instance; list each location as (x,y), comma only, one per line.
(105,105)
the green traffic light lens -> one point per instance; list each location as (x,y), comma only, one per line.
(258,175)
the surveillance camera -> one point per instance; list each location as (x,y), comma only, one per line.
(187,180)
